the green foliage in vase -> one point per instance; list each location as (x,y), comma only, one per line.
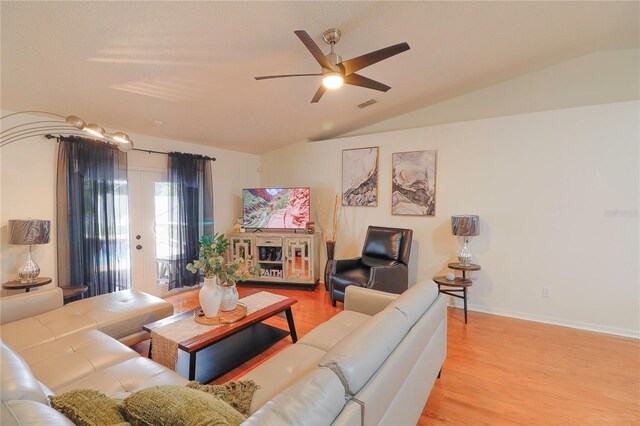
(211,261)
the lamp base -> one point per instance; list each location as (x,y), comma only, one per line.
(464,255)
(28,273)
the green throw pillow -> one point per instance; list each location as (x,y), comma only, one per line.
(237,394)
(178,406)
(88,407)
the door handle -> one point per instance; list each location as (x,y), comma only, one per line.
(139,247)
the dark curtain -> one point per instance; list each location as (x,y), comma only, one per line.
(93,219)
(191,211)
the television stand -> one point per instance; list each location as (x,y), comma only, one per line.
(287,259)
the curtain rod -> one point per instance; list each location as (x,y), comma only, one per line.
(150,151)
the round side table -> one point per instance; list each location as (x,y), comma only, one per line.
(19,285)
(454,288)
(458,267)
(71,293)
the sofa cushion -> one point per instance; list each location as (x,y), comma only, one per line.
(25,412)
(118,314)
(327,334)
(237,394)
(24,305)
(280,371)
(119,380)
(16,379)
(359,276)
(29,332)
(45,389)
(316,399)
(358,356)
(415,301)
(178,406)
(72,357)
(376,262)
(122,313)
(383,243)
(86,407)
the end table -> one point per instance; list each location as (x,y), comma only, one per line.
(458,267)
(458,285)
(71,293)
(19,285)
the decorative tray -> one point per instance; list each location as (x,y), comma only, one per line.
(224,317)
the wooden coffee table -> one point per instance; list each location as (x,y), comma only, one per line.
(210,355)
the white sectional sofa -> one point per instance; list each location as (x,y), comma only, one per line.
(373,363)
(29,319)
(49,348)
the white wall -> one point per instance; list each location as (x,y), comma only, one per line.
(557,193)
(602,77)
(27,183)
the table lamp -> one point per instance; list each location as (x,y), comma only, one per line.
(465,226)
(26,233)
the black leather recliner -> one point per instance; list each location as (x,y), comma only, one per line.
(383,265)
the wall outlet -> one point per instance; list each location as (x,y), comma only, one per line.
(546,292)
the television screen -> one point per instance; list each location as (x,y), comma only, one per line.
(276,208)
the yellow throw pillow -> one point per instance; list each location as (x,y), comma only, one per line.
(88,407)
(178,406)
(237,394)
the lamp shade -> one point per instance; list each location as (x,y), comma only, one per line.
(465,226)
(28,232)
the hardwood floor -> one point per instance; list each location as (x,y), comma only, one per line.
(506,371)
(502,371)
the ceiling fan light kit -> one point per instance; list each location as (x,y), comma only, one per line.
(71,125)
(336,72)
(332,80)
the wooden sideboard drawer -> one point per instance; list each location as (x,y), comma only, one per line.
(269,241)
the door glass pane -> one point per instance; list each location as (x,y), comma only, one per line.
(164,245)
(121,232)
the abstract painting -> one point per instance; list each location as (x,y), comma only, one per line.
(360,177)
(414,183)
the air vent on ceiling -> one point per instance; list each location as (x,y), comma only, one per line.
(367,103)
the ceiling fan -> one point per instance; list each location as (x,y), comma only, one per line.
(335,71)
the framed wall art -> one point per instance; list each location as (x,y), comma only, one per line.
(360,177)
(413,183)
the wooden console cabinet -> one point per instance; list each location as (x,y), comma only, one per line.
(285,258)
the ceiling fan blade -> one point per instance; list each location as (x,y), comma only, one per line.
(318,94)
(355,64)
(265,77)
(358,80)
(313,48)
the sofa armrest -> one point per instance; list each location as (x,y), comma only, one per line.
(366,300)
(24,305)
(345,264)
(24,412)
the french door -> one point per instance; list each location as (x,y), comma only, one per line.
(151,264)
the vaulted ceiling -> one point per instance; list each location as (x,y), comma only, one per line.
(191,64)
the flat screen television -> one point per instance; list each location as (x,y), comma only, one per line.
(275,208)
